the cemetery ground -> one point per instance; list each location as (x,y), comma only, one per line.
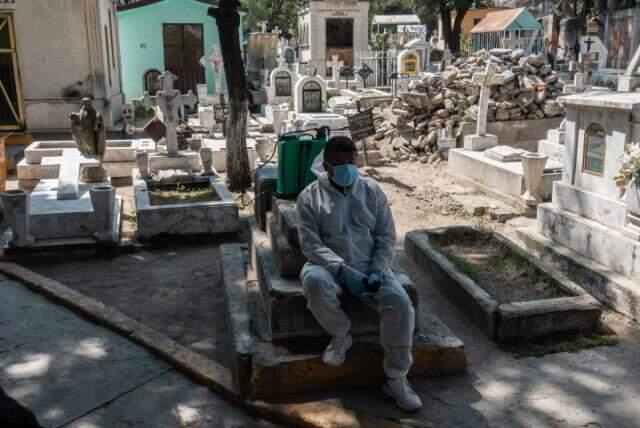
(175,288)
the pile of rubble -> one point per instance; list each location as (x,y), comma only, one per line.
(410,127)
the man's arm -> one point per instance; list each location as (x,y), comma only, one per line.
(384,235)
(311,243)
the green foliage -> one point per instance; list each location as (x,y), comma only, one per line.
(278,13)
(332,93)
(436,55)
(560,343)
(459,263)
(143,113)
(465,48)
(380,42)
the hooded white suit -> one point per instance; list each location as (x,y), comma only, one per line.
(354,228)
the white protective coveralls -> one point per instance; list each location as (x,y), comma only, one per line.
(357,229)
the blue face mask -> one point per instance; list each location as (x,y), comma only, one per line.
(345,175)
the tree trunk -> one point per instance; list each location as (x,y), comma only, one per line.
(456,31)
(228,21)
(445,18)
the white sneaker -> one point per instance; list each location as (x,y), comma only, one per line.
(400,390)
(335,352)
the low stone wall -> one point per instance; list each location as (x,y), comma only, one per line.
(523,134)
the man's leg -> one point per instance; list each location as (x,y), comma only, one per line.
(397,321)
(322,292)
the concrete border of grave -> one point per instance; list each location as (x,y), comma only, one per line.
(265,369)
(508,321)
(213,217)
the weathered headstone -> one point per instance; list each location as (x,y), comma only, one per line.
(336,65)
(215,61)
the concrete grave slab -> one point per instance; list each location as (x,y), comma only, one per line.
(51,218)
(502,180)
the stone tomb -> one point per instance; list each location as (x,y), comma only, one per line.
(219,152)
(281,84)
(278,344)
(569,309)
(310,108)
(80,207)
(190,218)
(588,228)
(42,159)
(502,180)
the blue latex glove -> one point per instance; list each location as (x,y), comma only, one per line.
(354,281)
(374,281)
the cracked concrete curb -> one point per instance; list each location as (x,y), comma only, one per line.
(202,370)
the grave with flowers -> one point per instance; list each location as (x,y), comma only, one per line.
(591,229)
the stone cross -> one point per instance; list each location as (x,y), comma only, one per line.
(215,60)
(263,26)
(336,65)
(169,101)
(485,80)
(70,162)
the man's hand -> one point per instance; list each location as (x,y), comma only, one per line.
(355,282)
(374,281)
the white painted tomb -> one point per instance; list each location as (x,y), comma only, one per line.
(219,152)
(281,84)
(503,180)
(587,213)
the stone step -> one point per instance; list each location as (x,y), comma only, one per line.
(289,259)
(286,216)
(619,292)
(285,306)
(266,369)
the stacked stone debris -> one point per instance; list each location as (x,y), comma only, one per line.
(410,127)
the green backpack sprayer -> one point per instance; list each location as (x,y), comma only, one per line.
(296,152)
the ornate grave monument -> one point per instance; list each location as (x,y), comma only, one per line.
(408,62)
(179,192)
(169,102)
(590,230)
(281,84)
(310,108)
(80,207)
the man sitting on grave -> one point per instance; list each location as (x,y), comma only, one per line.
(348,236)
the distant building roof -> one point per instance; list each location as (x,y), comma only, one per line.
(133,4)
(508,19)
(396,20)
